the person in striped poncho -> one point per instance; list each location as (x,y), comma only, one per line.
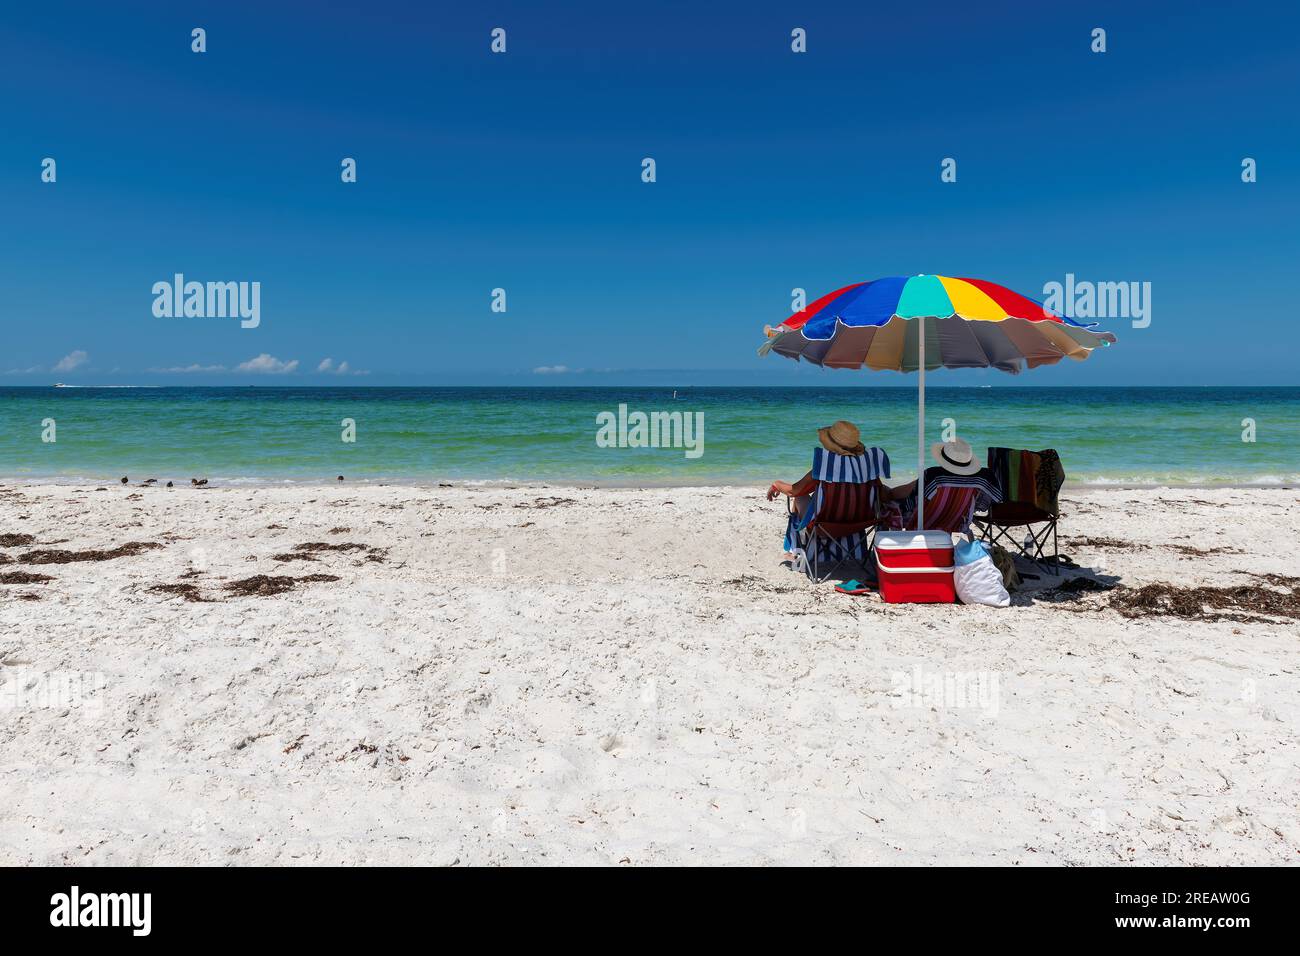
(843,494)
(955,488)
(849,460)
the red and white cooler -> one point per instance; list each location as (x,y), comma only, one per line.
(915,567)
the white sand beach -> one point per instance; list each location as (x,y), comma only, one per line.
(624,676)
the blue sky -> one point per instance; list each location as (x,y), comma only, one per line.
(523,171)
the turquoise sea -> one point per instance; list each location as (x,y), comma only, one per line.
(549,434)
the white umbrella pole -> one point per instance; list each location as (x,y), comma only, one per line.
(920,431)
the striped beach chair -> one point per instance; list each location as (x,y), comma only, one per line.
(845,511)
(952,500)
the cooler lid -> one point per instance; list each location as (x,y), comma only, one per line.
(912,540)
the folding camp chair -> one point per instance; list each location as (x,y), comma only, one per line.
(951,501)
(842,517)
(1030,482)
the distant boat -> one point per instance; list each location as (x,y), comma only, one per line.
(59,385)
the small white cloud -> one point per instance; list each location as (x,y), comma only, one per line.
(25,371)
(267,364)
(550,370)
(184,369)
(72,360)
(327,365)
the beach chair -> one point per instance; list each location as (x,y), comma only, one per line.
(952,500)
(843,515)
(1030,483)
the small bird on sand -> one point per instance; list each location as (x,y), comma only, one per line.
(125,479)
(169,484)
(340,477)
(151,481)
(202,482)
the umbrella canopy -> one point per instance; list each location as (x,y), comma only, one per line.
(914,323)
(969,323)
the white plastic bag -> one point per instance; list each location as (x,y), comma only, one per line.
(976,578)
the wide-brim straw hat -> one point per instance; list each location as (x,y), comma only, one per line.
(841,438)
(955,457)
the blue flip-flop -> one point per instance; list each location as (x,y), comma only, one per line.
(853,586)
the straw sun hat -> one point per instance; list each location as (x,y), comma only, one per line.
(955,456)
(841,438)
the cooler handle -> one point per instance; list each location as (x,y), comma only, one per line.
(889,570)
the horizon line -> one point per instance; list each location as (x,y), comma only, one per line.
(653,384)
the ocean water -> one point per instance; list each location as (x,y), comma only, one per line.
(549,434)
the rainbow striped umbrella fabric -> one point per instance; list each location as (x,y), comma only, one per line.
(968,323)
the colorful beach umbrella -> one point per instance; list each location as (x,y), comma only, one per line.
(967,323)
